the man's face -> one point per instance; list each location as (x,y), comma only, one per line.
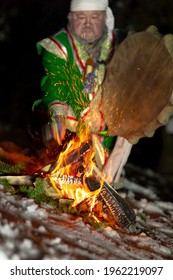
(88,24)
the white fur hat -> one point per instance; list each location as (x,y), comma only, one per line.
(88,5)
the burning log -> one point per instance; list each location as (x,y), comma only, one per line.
(123,214)
(76,156)
(120,210)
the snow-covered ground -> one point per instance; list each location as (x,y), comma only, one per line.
(29,231)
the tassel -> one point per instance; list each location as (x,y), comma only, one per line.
(89,78)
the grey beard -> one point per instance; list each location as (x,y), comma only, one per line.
(93,45)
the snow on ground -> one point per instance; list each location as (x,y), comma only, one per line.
(28,231)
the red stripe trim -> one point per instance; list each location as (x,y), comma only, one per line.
(105,156)
(85,112)
(71,118)
(59,45)
(102,121)
(59,103)
(75,50)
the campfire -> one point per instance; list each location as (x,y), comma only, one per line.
(72,174)
(75,179)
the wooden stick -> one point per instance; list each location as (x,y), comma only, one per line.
(18,180)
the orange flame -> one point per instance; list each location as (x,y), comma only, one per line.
(66,177)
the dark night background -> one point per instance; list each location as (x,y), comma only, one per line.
(24,22)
